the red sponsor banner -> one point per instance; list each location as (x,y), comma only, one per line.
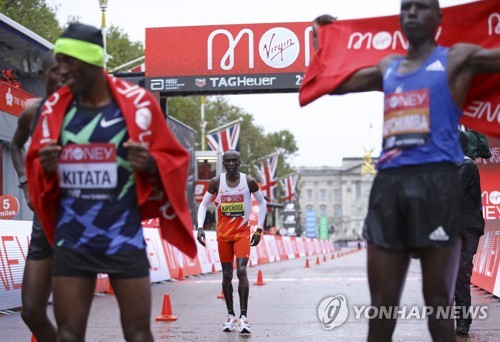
(487,259)
(200,187)
(12,100)
(9,207)
(227,58)
(228,49)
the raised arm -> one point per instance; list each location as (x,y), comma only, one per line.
(365,79)
(466,61)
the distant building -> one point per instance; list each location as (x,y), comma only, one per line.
(338,193)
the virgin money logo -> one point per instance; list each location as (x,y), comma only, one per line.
(279,47)
(382,40)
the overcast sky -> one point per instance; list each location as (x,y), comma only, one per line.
(326,130)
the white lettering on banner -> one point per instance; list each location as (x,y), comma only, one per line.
(491,208)
(12,266)
(477,109)
(268,49)
(130,90)
(494,159)
(242,81)
(227,61)
(381,40)
(49,103)
(492,30)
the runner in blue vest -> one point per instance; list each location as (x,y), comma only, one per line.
(414,204)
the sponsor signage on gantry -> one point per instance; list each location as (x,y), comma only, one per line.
(229,58)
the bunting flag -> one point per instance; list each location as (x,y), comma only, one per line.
(288,187)
(225,138)
(266,170)
(348,45)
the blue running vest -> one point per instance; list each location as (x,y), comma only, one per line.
(420,117)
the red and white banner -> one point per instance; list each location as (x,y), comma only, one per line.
(13,100)
(486,274)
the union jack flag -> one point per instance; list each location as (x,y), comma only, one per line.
(288,187)
(225,139)
(266,171)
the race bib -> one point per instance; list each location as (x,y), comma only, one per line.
(406,119)
(232,205)
(88,171)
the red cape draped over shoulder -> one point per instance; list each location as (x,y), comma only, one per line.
(162,196)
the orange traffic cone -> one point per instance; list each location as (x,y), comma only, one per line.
(324,258)
(213,269)
(333,256)
(33,338)
(221,295)
(307,263)
(181,274)
(317,260)
(110,290)
(259,279)
(166,311)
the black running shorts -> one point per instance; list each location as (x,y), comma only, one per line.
(39,247)
(71,263)
(415,207)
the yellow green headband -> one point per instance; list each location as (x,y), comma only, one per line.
(87,52)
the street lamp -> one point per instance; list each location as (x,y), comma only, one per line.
(103,4)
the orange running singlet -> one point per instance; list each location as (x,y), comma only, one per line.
(233,209)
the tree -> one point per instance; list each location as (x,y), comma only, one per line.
(121,48)
(35,15)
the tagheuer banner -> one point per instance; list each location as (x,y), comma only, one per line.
(243,58)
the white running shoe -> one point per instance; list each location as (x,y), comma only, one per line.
(229,323)
(244,327)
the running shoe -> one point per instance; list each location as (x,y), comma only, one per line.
(244,327)
(229,323)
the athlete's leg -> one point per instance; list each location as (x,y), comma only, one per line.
(462,286)
(386,276)
(35,294)
(72,300)
(243,287)
(226,256)
(242,253)
(439,273)
(134,299)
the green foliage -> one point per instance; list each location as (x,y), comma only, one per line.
(35,15)
(120,48)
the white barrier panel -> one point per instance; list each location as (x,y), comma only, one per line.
(14,241)
(272,250)
(156,254)
(287,243)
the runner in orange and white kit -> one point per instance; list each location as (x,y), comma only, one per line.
(231,191)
